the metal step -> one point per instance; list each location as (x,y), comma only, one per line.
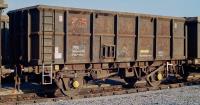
(46,73)
(168,65)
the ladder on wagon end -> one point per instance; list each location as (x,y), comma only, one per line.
(47,74)
(48,47)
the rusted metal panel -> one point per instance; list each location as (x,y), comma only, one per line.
(96,48)
(126,49)
(59,54)
(104,24)
(107,42)
(145,39)
(146,26)
(146,49)
(178,39)
(34,29)
(78,47)
(59,40)
(163,26)
(163,38)
(51,36)
(178,28)
(59,22)
(178,51)
(103,38)
(126,38)
(126,25)
(79,23)
(47,36)
(66,35)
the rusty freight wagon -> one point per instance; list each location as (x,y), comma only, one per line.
(69,44)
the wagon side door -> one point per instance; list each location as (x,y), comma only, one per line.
(103,38)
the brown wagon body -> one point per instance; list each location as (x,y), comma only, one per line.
(68,35)
(71,45)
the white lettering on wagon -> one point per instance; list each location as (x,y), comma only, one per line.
(60,18)
(175,25)
(78,50)
(145,53)
(160,53)
(57,54)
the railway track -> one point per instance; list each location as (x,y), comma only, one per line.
(38,97)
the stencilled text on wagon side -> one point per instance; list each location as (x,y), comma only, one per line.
(78,50)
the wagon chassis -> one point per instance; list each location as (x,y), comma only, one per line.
(29,98)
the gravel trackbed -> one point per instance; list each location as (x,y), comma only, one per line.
(189,95)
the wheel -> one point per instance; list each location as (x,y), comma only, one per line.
(64,84)
(154,79)
(68,85)
(130,80)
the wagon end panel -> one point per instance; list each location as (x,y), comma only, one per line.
(126,38)
(193,29)
(145,38)
(19,37)
(51,36)
(78,37)
(34,29)
(59,55)
(192,38)
(11,31)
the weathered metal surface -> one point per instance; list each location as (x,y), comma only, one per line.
(145,39)
(126,38)
(163,37)
(68,35)
(178,39)
(104,24)
(78,39)
(79,23)
(103,38)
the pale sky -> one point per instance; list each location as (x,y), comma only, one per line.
(157,7)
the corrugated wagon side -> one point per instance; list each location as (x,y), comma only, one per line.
(69,44)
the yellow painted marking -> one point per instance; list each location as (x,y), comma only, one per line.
(144,51)
(159,76)
(76,84)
